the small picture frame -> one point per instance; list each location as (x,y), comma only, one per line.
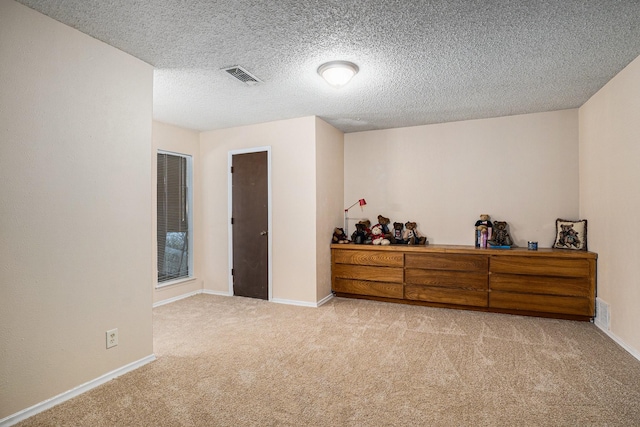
(571,234)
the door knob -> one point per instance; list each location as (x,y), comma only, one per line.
(263,233)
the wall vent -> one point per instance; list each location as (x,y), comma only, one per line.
(603,319)
(239,73)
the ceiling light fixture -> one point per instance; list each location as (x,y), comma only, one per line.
(338,73)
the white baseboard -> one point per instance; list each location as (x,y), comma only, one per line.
(294,302)
(221,293)
(618,341)
(187,295)
(226,294)
(277,300)
(174,299)
(302,303)
(63,397)
(325,299)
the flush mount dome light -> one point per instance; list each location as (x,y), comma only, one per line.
(338,73)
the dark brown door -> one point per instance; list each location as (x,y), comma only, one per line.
(250,225)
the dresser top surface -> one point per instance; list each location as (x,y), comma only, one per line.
(464,249)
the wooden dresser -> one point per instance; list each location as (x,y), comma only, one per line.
(546,282)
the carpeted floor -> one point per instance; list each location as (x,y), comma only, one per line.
(242,362)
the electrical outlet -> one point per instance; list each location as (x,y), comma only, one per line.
(112,338)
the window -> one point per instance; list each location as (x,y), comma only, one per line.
(175,255)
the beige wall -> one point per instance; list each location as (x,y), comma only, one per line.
(293,173)
(77,162)
(329,197)
(75,217)
(609,196)
(521,169)
(182,141)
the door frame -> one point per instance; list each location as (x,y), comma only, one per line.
(269,213)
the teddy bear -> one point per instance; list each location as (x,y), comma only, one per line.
(500,234)
(384,223)
(359,236)
(377,236)
(484,230)
(397,233)
(367,230)
(339,236)
(412,236)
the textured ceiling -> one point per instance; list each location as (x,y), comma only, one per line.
(420,62)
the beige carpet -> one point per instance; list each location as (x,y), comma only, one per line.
(236,361)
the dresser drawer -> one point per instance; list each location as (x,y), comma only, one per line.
(541,303)
(361,287)
(369,273)
(452,262)
(542,266)
(569,286)
(446,296)
(448,279)
(381,258)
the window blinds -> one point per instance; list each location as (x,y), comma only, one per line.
(173,218)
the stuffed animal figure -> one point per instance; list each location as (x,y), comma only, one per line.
(377,236)
(397,233)
(384,223)
(484,229)
(339,236)
(359,236)
(412,236)
(367,230)
(500,235)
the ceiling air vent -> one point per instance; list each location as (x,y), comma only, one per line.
(243,75)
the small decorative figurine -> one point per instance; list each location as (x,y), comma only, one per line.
(367,230)
(500,234)
(412,236)
(384,223)
(360,235)
(484,228)
(377,236)
(339,236)
(397,234)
